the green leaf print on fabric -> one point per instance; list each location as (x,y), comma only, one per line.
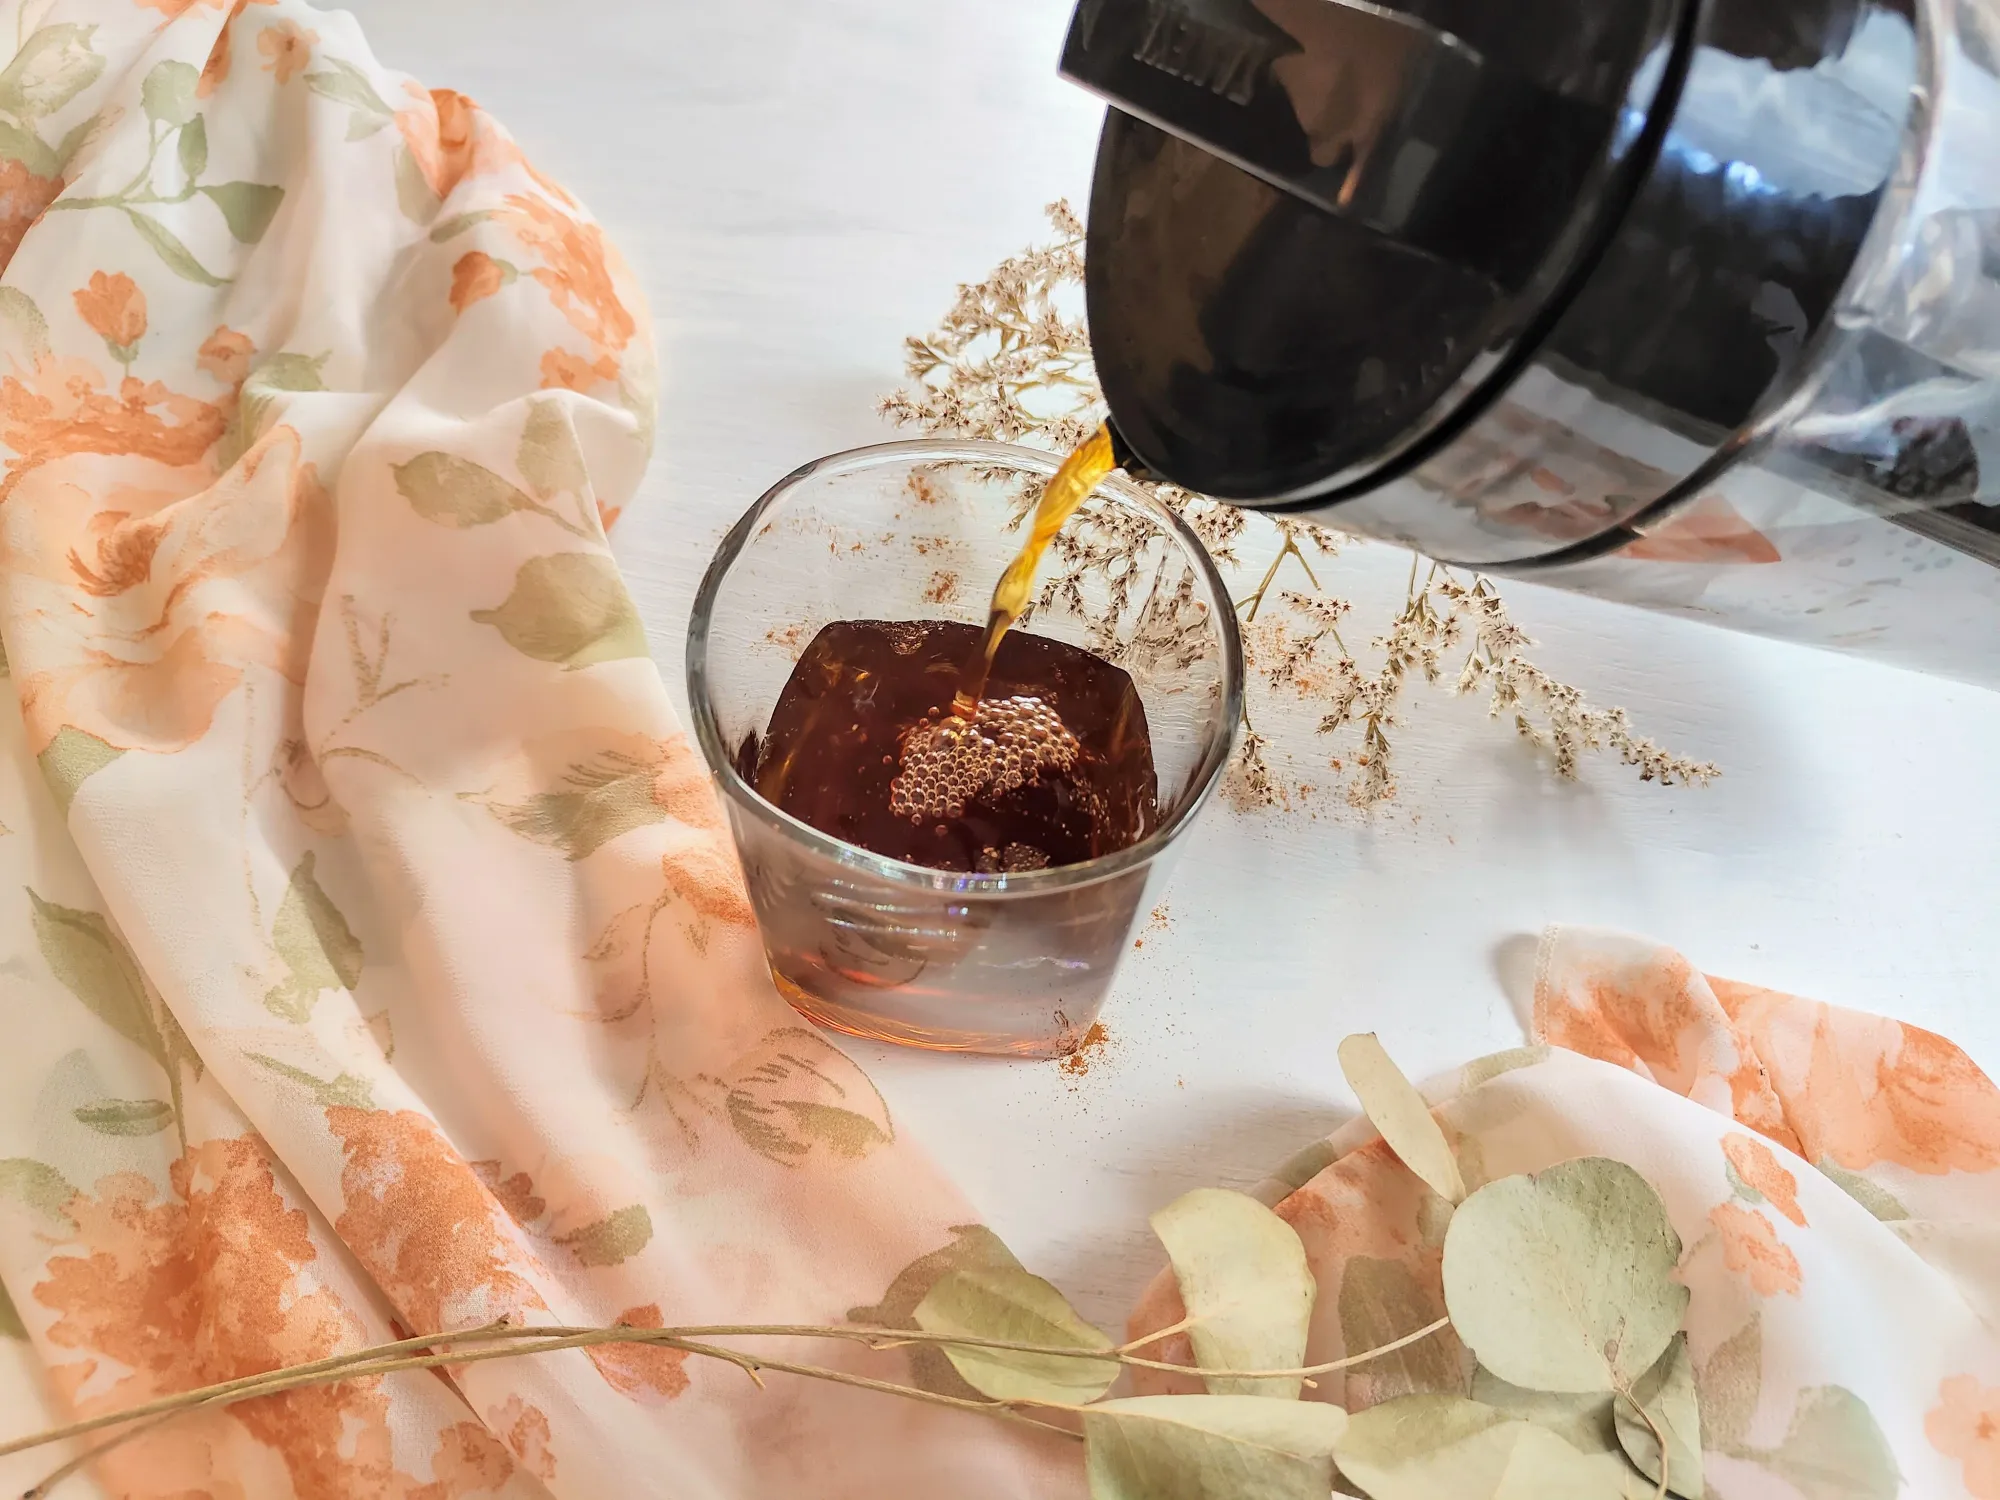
(194,148)
(570,608)
(1833,1449)
(247,207)
(343,1091)
(168,93)
(1879,1201)
(548,456)
(1730,1384)
(26,330)
(597,801)
(455,492)
(126,1116)
(90,961)
(413,193)
(785,1101)
(53,66)
(344,83)
(173,254)
(610,1241)
(11,1326)
(36,1184)
(71,759)
(319,949)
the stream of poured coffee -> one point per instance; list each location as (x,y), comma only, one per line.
(1068,488)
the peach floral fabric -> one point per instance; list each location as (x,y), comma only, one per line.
(376,959)
(1833,1179)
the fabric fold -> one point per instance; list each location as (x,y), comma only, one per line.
(378,961)
(1832,1177)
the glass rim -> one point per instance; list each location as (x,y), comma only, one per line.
(708,734)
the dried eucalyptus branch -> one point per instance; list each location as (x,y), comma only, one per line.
(510,1341)
(1011,361)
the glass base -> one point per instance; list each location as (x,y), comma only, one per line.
(1056,1035)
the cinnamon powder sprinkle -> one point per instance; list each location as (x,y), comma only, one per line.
(1088,1051)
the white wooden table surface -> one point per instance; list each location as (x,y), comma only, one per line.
(801,183)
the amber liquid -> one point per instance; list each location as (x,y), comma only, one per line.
(1060,770)
(1068,488)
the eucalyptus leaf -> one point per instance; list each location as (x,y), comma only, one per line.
(1449,1448)
(1668,1395)
(1395,1108)
(1583,1419)
(994,1302)
(1246,1286)
(1563,1281)
(1210,1448)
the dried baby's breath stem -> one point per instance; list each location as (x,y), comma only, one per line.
(1012,362)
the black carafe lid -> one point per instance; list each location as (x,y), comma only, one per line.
(1318,227)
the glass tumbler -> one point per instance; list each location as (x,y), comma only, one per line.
(1014,963)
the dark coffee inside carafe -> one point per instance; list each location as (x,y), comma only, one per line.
(1055,768)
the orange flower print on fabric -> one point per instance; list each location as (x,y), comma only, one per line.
(286,48)
(23,196)
(1658,1016)
(576,269)
(451,138)
(225,354)
(1965,1425)
(475,277)
(115,309)
(562,370)
(424,1225)
(139,655)
(61,408)
(703,871)
(1861,1089)
(1759,1170)
(1750,1246)
(639,1369)
(213,1282)
(525,1430)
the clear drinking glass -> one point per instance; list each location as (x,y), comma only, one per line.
(1002,963)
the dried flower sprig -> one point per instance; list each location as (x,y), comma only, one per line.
(1011,362)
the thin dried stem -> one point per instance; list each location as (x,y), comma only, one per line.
(501,1341)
